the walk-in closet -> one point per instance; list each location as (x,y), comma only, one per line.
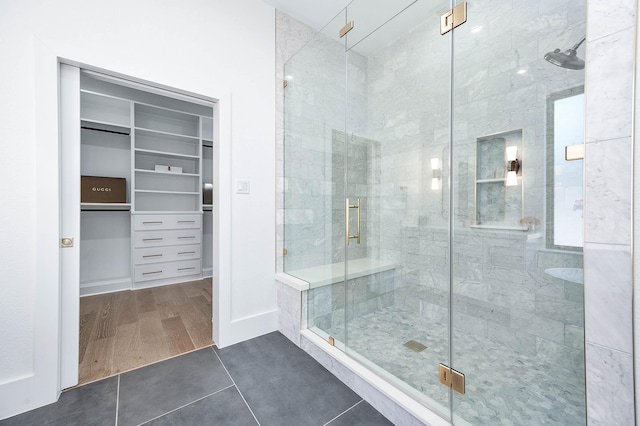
(145,224)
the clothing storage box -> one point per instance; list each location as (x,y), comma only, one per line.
(97,189)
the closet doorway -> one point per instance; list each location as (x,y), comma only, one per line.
(137,175)
(124,330)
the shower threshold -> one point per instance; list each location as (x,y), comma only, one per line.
(399,403)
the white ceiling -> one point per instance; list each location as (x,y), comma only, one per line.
(315,13)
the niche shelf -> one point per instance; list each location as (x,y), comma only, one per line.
(497,205)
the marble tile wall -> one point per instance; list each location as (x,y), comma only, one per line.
(289,312)
(608,276)
(291,35)
(312,177)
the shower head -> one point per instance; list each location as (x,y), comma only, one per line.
(567,59)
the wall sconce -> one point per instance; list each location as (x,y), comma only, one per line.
(436,171)
(513,166)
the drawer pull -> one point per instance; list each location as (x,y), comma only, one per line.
(186,252)
(152,255)
(152,239)
(186,238)
(186,221)
(152,223)
(186,269)
(150,273)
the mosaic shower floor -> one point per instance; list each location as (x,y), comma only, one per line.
(503,386)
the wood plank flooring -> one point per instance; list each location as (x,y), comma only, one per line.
(129,329)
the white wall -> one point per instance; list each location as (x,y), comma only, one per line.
(217,48)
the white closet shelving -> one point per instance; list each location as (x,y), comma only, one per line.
(105,228)
(155,142)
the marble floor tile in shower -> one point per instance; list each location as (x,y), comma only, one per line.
(552,395)
(283,385)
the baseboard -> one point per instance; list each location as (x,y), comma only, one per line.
(101,287)
(247,328)
(18,396)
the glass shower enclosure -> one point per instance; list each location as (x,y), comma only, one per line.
(433,201)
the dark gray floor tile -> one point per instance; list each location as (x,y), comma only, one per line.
(223,408)
(283,385)
(92,404)
(154,390)
(362,414)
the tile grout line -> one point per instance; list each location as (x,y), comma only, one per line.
(234,384)
(117,399)
(348,409)
(185,405)
(141,366)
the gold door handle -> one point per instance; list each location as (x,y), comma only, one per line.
(348,208)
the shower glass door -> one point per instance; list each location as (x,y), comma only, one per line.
(430,207)
(396,163)
(517,296)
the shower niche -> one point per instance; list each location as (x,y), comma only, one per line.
(498,181)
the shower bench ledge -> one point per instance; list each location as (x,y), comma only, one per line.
(318,276)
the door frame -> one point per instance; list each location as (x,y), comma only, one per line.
(69,316)
(42,385)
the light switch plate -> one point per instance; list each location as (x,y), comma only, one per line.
(242,187)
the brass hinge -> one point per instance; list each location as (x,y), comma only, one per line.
(284,251)
(451,378)
(344,30)
(284,83)
(453,18)
(332,341)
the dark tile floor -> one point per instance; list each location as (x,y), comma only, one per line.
(264,381)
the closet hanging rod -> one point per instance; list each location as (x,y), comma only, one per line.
(105,130)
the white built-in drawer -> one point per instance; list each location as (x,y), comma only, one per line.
(172,237)
(166,254)
(166,270)
(166,221)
